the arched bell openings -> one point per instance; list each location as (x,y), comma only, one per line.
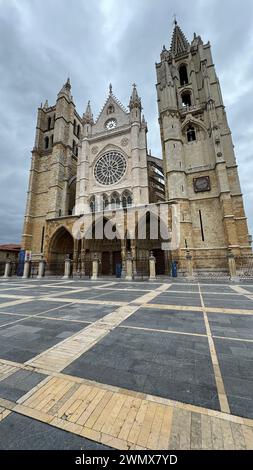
(183,75)
(186,98)
(191,133)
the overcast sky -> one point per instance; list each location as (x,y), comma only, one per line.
(42,42)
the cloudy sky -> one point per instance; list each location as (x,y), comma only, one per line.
(101,41)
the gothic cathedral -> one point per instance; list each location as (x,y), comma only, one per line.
(103,166)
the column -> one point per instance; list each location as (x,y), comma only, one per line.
(27,269)
(189,266)
(232,267)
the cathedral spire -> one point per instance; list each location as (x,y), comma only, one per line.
(88,116)
(135,100)
(179,43)
(66,89)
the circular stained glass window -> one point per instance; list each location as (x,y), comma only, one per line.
(110,168)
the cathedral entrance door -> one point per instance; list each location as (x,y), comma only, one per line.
(160,261)
(106,268)
(116,260)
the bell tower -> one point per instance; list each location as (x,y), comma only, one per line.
(198,153)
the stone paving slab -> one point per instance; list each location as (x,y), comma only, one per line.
(171,320)
(231,326)
(22,433)
(16,385)
(84,312)
(165,365)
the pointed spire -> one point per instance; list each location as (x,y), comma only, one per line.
(66,89)
(110,89)
(88,116)
(179,43)
(45,105)
(135,100)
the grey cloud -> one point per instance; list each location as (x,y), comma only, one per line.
(118,41)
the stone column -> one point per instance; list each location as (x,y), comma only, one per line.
(232,267)
(152,268)
(27,269)
(67,268)
(41,268)
(189,265)
(123,259)
(95,266)
(129,267)
(7,271)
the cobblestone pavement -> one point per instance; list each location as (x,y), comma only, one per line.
(125,365)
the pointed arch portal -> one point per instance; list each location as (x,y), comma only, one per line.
(61,246)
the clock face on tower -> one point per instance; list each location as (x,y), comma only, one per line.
(201,184)
(110,124)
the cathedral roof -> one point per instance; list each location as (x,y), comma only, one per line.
(110,100)
(179,43)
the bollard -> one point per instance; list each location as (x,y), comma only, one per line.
(152,267)
(7,271)
(129,267)
(27,270)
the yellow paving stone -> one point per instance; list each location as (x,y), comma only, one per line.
(206,435)
(164,437)
(31,392)
(248,437)
(92,420)
(50,394)
(4,413)
(105,413)
(108,426)
(7,404)
(114,442)
(137,425)
(85,402)
(184,419)
(131,416)
(228,440)
(238,436)
(90,434)
(125,409)
(147,424)
(153,440)
(217,437)
(68,408)
(35,414)
(57,396)
(40,394)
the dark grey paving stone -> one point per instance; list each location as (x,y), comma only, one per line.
(231,326)
(19,383)
(33,307)
(24,340)
(174,320)
(83,312)
(191,300)
(6,299)
(236,364)
(168,365)
(23,433)
(5,318)
(184,287)
(135,285)
(83,295)
(247,287)
(205,289)
(225,302)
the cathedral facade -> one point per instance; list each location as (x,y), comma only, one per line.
(87,170)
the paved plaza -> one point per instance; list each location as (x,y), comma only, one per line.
(126,365)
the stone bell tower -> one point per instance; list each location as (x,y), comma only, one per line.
(198,153)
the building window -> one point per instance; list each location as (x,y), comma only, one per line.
(52,140)
(105,202)
(186,99)
(191,134)
(78,131)
(49,122)
(201,226)
(93,204)
(110,109)
(183,75)
(74,127)
(115,201)
(46,143)
(127,199)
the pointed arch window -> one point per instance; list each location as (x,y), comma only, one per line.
(186,99)
(127,199)
(49,122)
(110,109)
(93,204)
(46,143)
(105,201)
(191,134)
(183,75)
(115,201)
